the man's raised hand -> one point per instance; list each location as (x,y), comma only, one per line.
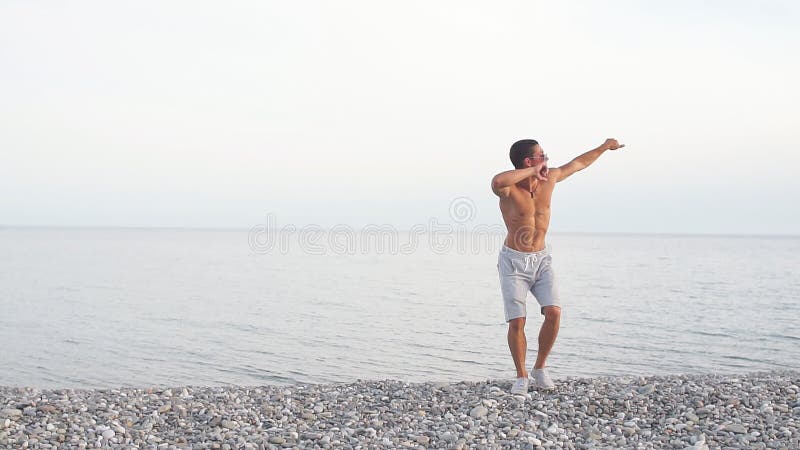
(612,144)
(541,171)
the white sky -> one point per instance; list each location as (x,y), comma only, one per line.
(214,114)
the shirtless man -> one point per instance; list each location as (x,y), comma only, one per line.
(524,263)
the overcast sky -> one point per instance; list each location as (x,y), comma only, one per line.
(215,114)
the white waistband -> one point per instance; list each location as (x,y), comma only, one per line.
(541,252)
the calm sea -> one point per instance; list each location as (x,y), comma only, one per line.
(123,307)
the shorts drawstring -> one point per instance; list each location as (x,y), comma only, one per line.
(528,259)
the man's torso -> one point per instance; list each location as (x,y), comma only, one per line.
(527,218)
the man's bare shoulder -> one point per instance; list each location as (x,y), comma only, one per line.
(554,173)
(503,191)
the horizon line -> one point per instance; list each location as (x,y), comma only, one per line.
(552,232)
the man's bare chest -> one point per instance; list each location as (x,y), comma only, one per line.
(522,204)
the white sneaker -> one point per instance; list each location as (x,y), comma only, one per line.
(541,379)
(520,386)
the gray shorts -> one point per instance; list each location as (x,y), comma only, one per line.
(521,273)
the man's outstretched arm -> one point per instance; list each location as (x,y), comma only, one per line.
(585,160)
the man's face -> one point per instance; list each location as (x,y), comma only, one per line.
(538,157)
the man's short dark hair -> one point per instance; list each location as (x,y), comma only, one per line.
(521,150)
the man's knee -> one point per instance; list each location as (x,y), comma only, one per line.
(552,313)
(517,324)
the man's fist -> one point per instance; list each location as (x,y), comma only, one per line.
(541,171)
(612,144)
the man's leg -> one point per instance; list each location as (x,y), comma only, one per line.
(547,335)
(518,344)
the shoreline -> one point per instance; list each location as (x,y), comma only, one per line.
(753,410)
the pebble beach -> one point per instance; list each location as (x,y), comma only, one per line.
(758,410)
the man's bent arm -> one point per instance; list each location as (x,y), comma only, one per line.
(585,160)
(509,178)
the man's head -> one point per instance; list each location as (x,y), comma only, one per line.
(526,153)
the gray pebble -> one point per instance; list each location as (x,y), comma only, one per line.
(647,389)
(736,428)
(478,412)
(10,412)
